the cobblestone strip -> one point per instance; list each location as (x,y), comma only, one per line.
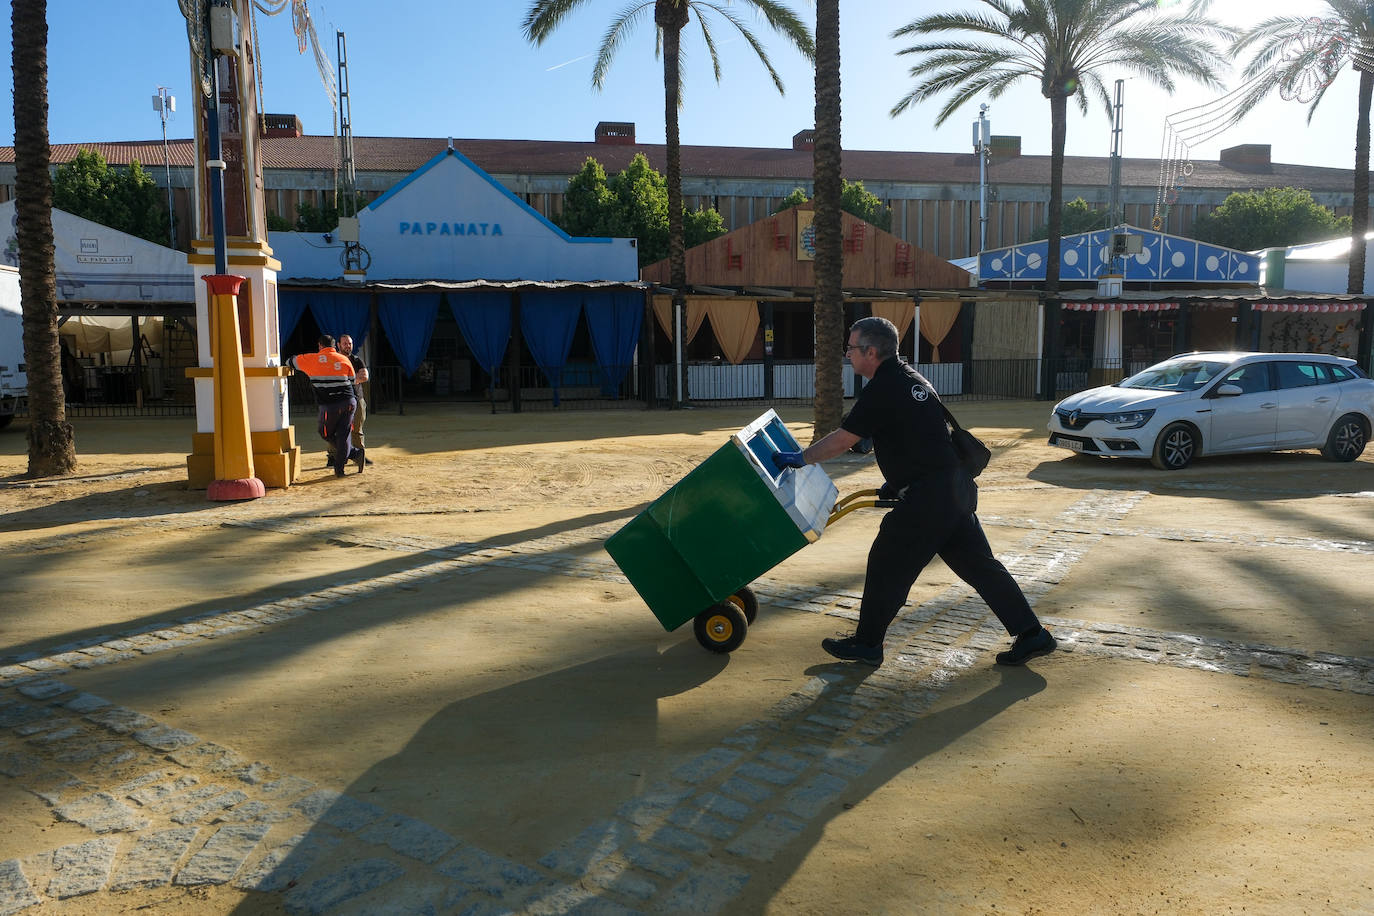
(157,823)
(687,843)
(160,825)
(1190,535)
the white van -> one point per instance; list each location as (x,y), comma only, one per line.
(14,380)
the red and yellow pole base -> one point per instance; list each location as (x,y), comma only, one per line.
(234,478)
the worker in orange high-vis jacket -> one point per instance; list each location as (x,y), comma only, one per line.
(331,377)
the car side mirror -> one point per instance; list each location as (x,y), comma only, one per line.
(1229,391)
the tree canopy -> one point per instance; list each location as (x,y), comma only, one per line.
(1067,47)
(1077,216)
(123,199)
(632,204)
(310,218)
(1285,58)
(1271,218)
(855,199)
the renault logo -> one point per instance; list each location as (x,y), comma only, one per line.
(1073,417)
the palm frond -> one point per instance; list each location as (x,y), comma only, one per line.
(710,41)
(620,27)
(953,22)
(993,80)
(1270,35)
(544,17)
(1093,85)
(788,24)
(749,37)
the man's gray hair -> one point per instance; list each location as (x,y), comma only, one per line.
(878,333)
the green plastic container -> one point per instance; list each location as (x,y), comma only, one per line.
(734,517)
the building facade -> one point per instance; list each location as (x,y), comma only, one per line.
(934,197)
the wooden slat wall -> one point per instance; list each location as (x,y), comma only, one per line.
(873,266)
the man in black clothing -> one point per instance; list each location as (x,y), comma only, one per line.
(899,410)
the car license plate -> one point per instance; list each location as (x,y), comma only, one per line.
(1071,444)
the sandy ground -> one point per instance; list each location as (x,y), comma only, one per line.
(514,704)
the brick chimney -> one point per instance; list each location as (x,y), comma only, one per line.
(281,125)
(1249,157)
(616,133)
(804,141)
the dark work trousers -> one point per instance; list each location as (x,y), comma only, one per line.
(359,418)
(936,517)
(336,428)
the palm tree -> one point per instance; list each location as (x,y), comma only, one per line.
(829,263)
(1064,45)
(1284,61)
(52,444)
(670,18)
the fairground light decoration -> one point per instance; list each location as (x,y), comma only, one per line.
(1304,64)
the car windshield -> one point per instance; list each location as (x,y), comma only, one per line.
(1177,375)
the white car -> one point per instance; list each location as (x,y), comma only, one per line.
(1202,404)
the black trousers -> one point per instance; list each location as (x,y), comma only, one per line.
(936,518)
(336,428)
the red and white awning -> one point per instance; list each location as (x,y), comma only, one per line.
(1121,306)
(1308,306)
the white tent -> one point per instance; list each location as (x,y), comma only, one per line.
(103,266)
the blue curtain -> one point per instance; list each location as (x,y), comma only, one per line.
(614,319)
(548,320)
(408,319)
(484,319)
(340,313)
(291,305)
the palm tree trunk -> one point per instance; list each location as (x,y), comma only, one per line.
(1059,104)
(52,444)
(1359,211)
(671,19)
(829,264)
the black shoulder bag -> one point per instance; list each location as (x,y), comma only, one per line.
(973,454)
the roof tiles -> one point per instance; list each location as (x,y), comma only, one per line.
(565,157)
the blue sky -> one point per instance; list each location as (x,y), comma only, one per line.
(434,69)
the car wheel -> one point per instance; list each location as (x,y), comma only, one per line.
(1346,440)
(1175,447)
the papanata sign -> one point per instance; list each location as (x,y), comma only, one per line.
(463,229)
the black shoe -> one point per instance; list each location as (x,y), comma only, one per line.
(850,649)
(1032,644)
(359,457)
(339,469)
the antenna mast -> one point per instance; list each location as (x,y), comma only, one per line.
(982,147)
(348,208)
(1114,207)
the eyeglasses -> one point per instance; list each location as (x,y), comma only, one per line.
(853,347)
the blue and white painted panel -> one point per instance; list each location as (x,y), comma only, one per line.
(1178,259)
(1087,256)
(1074,258)
(1019,262)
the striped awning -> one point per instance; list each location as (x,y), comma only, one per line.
(1121,306)
(1308,306)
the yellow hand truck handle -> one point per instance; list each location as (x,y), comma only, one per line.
(860,499)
